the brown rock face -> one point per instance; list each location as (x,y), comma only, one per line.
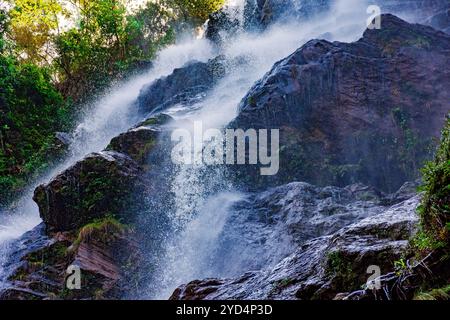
(361,112)
(105,253)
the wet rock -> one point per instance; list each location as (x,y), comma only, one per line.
(321,267)
(276,221)
(407,191)
(186,85)
(63,138)
(269,11)
(357,112)
(100,185)
(139,141)
(222,25)
(136,143)
(440,20)
(105,253)
(157,121)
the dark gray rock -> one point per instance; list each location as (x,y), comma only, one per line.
(358,112)
(100,185)
(321,267)
(186,85)
(267,226)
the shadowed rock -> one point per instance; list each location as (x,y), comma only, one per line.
(367,111)
(186,85)
(102,184)
(322,267)
(106,254)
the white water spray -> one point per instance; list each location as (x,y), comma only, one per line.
(107,117)
(204,215)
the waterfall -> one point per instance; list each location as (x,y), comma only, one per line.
(202,196)
(105,118)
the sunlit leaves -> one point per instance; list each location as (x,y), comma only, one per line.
(33,23)
(198,9)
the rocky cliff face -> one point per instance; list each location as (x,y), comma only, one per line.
(366,111)
(329,238)
(185,86)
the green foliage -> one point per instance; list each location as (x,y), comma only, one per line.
(434,294)
(337,263)
(32,26)
(400,265)
(435,208)
(3,28)
(48,255)
(107,43)
(340,267)
(198,10)
(104,230)
(31,110)
(411,147)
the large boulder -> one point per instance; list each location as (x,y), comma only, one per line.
(322,267)
(367,111)
(107,183)
(105,253)
(101,184)
(87,212)
(277,220)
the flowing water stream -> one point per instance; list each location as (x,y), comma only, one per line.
(108,116)
(203,198)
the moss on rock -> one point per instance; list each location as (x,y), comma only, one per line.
(103,184)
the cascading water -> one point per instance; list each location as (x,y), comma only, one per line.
(107,117)
(202,196)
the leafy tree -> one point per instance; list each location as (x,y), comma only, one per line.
(3,26)
(42,67)
(31,110)
(32,26)
(108,42)
(198,10)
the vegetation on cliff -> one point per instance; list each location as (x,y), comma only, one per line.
(31,111)
(433,239)
(435,208)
